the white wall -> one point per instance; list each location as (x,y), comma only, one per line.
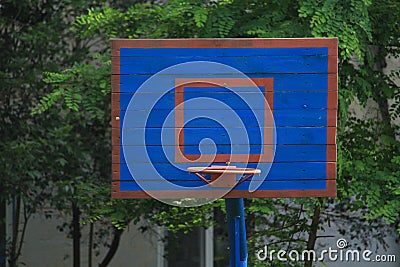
(46,246)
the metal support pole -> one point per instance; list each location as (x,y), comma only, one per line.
(236,232)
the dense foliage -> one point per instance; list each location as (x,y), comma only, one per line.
(33,40)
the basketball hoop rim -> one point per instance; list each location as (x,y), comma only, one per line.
(224,169)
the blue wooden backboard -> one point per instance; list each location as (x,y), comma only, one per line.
(269,104)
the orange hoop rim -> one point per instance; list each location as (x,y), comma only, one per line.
(224,169)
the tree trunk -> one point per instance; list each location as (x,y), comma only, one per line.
(113,248)
(313,232)
(382,100)
(3,237)
(16,206)
(76,235)
(90,246)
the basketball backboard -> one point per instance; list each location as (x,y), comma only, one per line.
(268,104)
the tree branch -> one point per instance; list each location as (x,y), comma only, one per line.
(113,248)
(313,231)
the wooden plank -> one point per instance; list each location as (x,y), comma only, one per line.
(247,65)
(283,118)
(312,184)
(283,82)
(278,171)
(282,100)
(115,117)
(238,136)
(283,153)
(329,191)
(330,43)
(222,52)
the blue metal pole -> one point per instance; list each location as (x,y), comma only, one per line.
(236,232)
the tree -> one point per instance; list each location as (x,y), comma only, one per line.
(368,149)
(29,34)
(39,152)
